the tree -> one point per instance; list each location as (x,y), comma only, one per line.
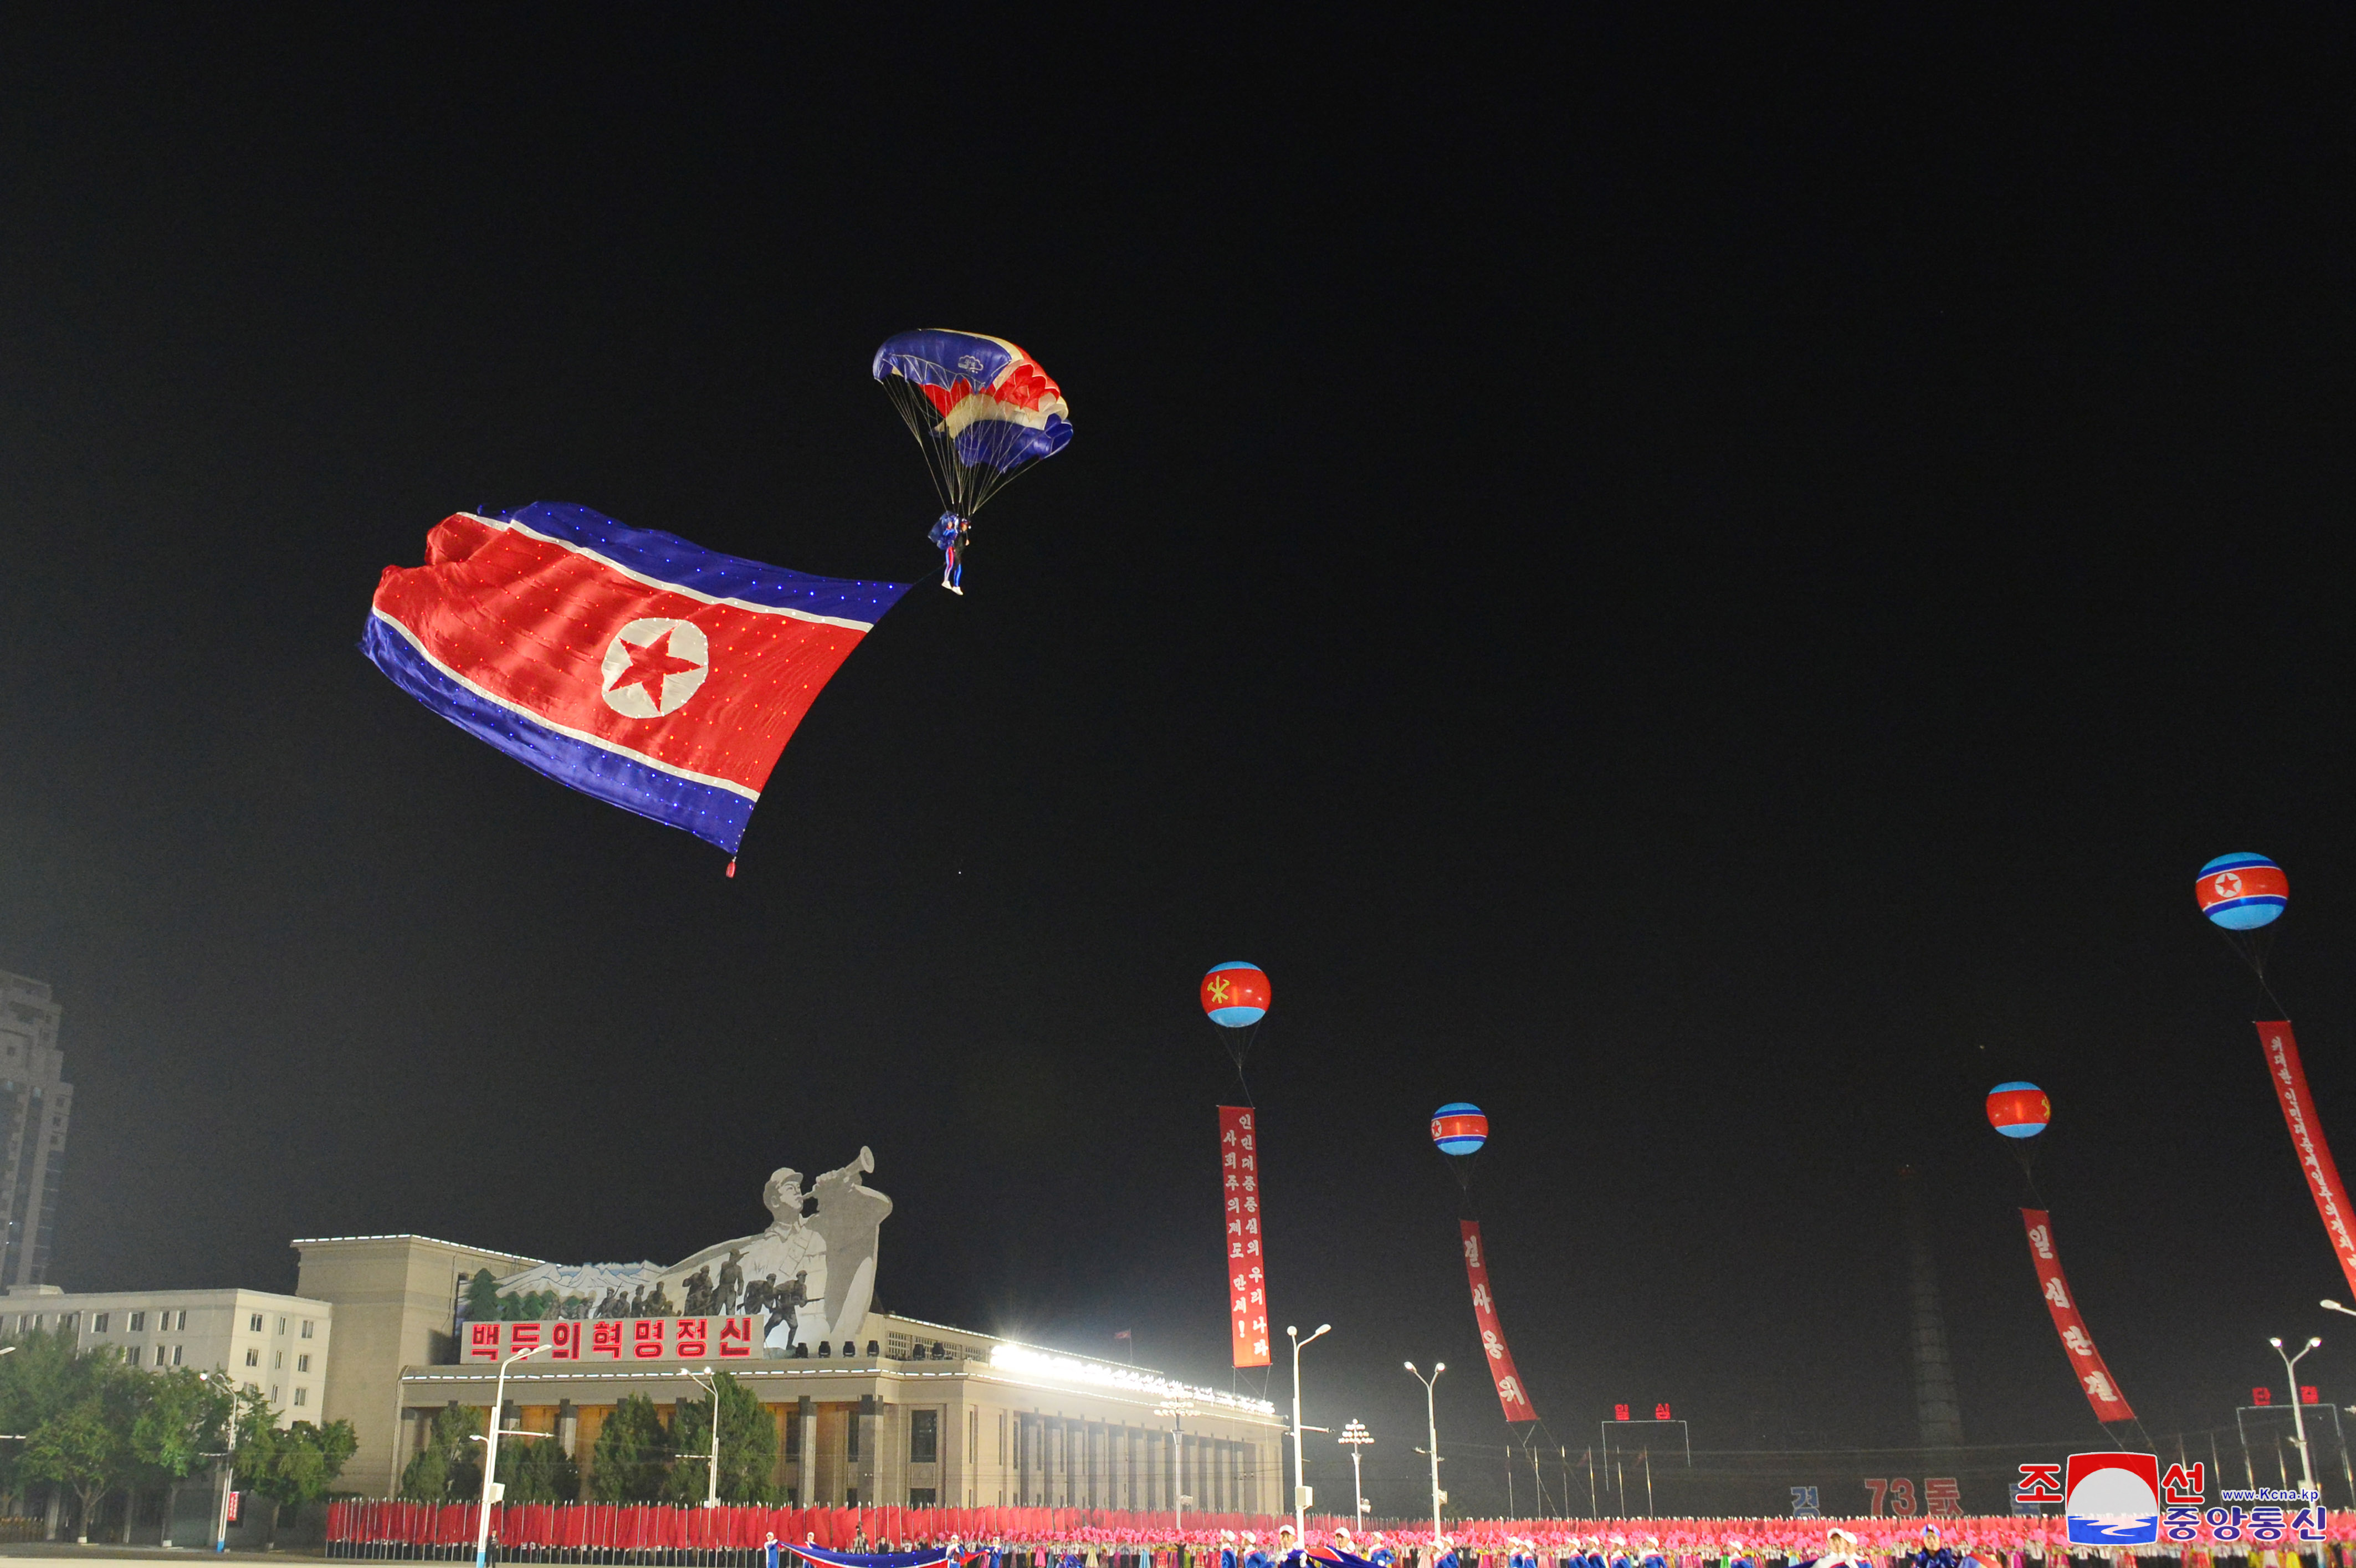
(748,1447)
(538,1470)
(449,1469)
(632,1459)
(295,1465)
(181,1416)
(43,1377)
(85,1447)
(483,1298)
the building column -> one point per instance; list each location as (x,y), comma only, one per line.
(806,1473)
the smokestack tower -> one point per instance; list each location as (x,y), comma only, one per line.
(1938,1416)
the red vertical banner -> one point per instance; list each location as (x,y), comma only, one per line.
(2307,1138)
(1239,1192)
(1493,1337)
(2085,1362)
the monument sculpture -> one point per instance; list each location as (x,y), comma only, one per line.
(810,1277)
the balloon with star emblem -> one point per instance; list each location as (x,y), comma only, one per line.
(2242,891)
(1236,997)
(2018,1110)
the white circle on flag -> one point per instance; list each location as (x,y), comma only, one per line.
(653,667)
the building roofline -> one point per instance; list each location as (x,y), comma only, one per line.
(413,1236)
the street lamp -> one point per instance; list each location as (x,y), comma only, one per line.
(1300,1484)
(491,1453)
(1178,1407)
(711,1486)
(1431,1415)
(2330,1306)
(1357,1437)
(228,1473)
(2298,1417)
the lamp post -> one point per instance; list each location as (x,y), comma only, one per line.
(491,1454)
(1357,1437)
(1430,1414)
(711,1485)
(1300,1483)
(1177,1407)
(228,1463)
(2298,1417)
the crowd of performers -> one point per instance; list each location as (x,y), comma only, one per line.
(1993,1543)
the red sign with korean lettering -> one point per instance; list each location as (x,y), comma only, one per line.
(619,1339)
(1493,1337)
(1239,1189)
(2085,1362)
(2307,1139)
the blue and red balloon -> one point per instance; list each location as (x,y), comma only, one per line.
(2242,892)
(1458,1129)
(1236,995)
(2018,1110)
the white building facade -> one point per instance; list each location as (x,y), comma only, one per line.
(277,1344)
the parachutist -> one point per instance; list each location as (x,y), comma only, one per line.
(951,534)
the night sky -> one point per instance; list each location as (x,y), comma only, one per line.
(1704,590)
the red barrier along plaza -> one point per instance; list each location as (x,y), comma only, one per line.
(650,1534)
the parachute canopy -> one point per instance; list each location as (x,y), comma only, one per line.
(2018,1110)
(1458,1129)
(2242,892)
(979,407)
(1236,995)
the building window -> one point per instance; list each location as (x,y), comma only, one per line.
(181,1318)
(850,1495)
(273,1393)
(69,1322)
(159,1355)
(850,1441)
(254,1358)
(921,1496)
(138,1322)
(302,1363)
(924,1441)
(306,1327)
(277,1360)
(178,1350)
(254,1323)
(98,1323)
(302,1396)
(281,1325)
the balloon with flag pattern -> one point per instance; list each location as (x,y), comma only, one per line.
(1458,1129)
(2242,891)
(2018,1110)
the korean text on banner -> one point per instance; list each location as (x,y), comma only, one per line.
(619,1339)
(2307,1138)
(2085,1362)
(1493,1337)
(1246,1286)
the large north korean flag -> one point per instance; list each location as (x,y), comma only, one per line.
(628,664)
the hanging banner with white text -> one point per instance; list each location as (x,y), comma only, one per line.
(1493,1337)
(1246,1286)
(2085,1362)
(2307,1138)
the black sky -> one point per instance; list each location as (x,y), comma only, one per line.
(1703,587)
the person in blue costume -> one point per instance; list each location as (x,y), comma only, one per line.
(1653,1557)
(1445,1554)
(1619,1557)
(1288,1551)
(1932,1554)
(951,534)
(1381,1556)
(1592,1557)
(1227,1548)
(1734,1555)
(1253,1556)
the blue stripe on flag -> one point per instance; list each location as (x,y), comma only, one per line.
(714,815)
(666,558)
